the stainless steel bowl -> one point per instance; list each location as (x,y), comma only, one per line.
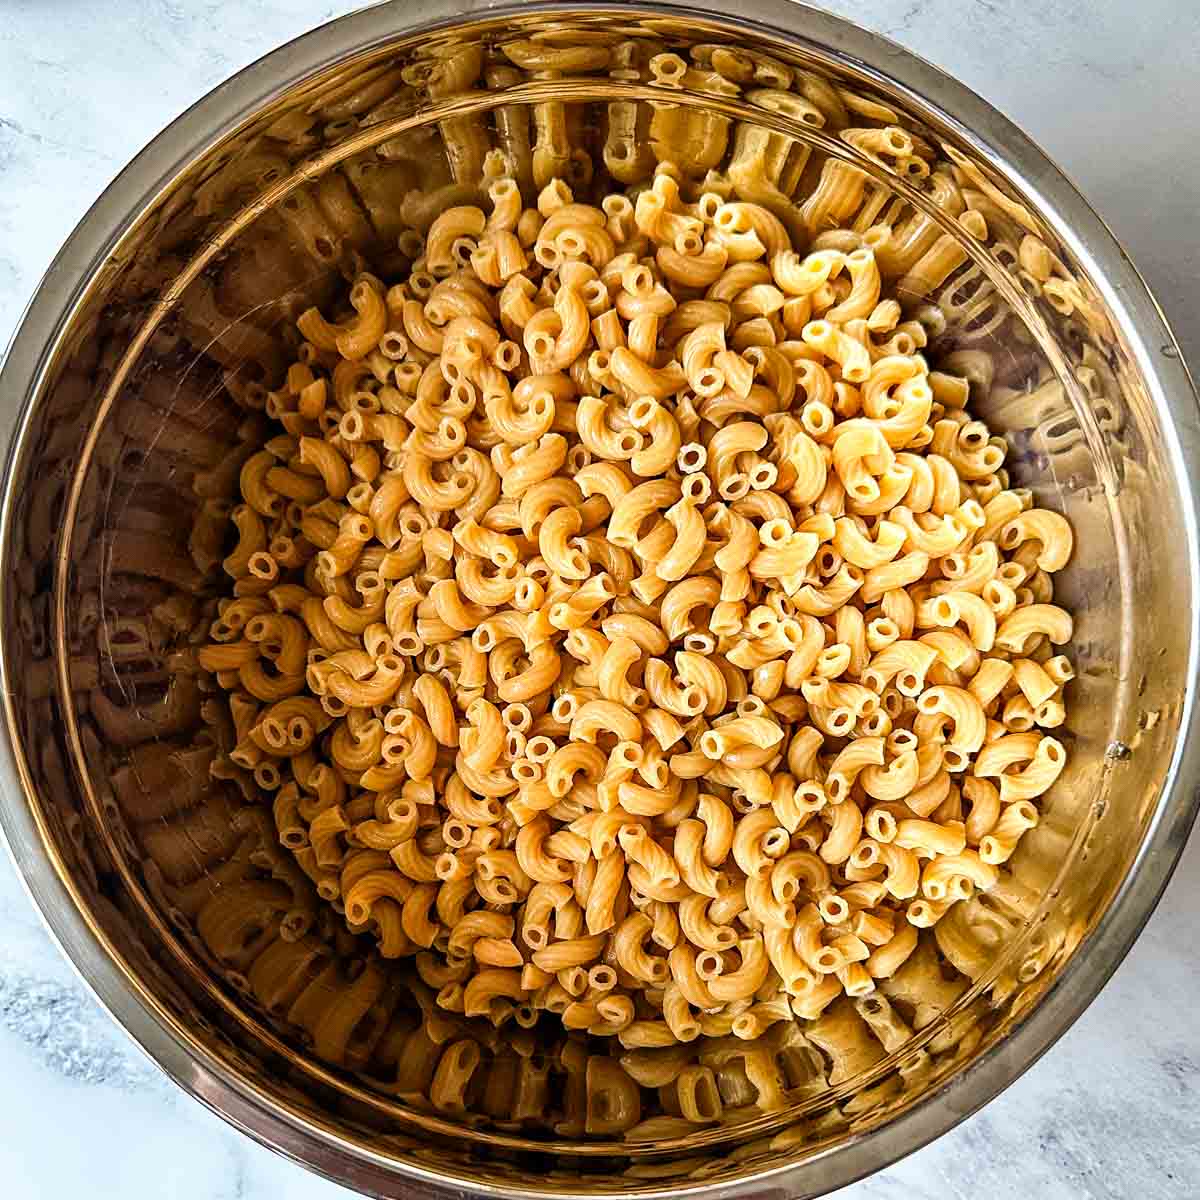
(175,292)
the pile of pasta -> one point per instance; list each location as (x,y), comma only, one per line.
(629,625)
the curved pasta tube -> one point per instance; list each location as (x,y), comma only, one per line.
(632,509)
(1018,629)
(1043,769)
(965,712)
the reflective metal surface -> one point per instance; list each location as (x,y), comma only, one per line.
(130,390)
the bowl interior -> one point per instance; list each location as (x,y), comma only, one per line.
(154,397)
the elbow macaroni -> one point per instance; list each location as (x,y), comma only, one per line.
(641,678)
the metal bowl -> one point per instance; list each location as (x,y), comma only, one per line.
(174,295)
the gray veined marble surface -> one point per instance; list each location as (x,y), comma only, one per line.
(1110,89)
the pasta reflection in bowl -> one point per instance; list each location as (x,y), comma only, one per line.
(570,622)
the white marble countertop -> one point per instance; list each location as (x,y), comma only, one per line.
(1110,89)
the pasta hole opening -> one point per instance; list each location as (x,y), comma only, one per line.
(955,759)
(827,961)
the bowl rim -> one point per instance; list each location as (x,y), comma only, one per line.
(998,142)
